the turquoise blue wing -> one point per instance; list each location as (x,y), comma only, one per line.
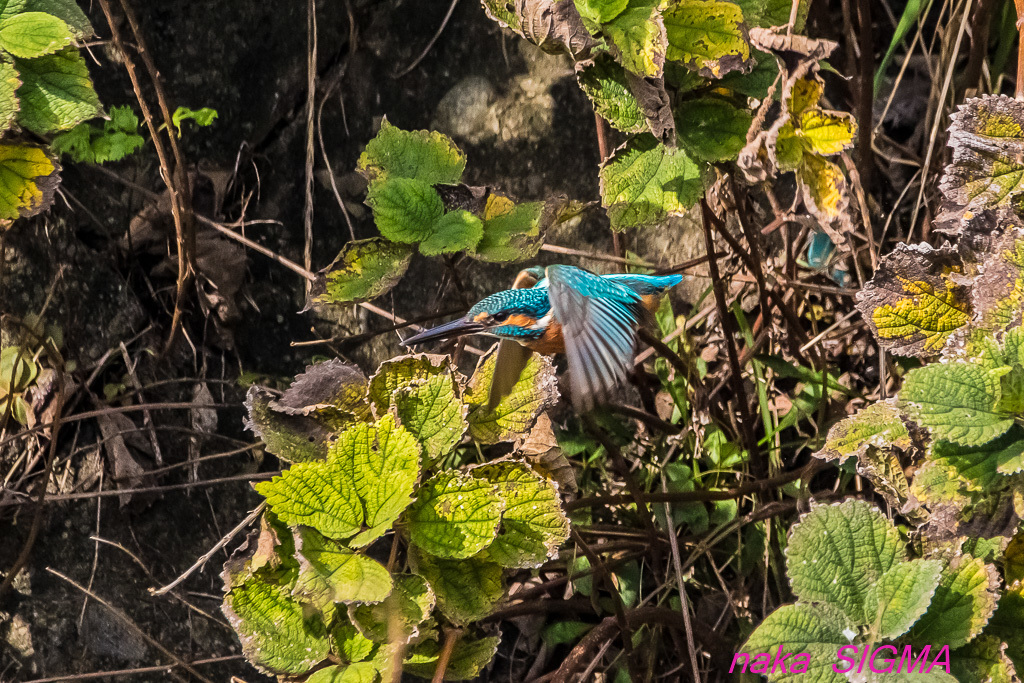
(599,320)
(645,285)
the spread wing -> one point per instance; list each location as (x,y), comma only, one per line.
(599,320)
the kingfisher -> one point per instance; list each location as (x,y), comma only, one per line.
(590,318)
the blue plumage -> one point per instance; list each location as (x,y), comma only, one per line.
(589,317)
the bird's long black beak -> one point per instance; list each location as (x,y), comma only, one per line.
(455,328)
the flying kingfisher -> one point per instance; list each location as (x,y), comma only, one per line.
(563,309)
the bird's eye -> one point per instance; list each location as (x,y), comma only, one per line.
(500,317)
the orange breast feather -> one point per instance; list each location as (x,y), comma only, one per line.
(551,342)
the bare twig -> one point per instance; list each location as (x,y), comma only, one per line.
(430,44)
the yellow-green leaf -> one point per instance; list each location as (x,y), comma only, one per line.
(28,179)
(707,36)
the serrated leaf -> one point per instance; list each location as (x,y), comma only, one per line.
(28,180)
(817,630)
(956,401)
(56,92)
(637,37)
(604,82)
(939,485)
(511,232)
(983,465)
(712,129)
(823,187)
(9,104)
(987,137)
(294,438)
(963,603)
(760,78)
(349,643)
(707,36)
(517,412)
(912,303)
(364,486)
(454,231)
(403,371)
(270,547)
(426,156)
(468,658)
(33,34)
(983,659)
(404,209)
(275,636)
(467,590)
(364,270)
(434,413)
(879,425)
(532,524)
(454,515)
(900,597)
(789,149)
(66,10)
(329,572)
(1007,624)
(601,11)
(398,618)
(359,672)
(827,132)
(9,8)
(328,390)
(644,181)
(837,552)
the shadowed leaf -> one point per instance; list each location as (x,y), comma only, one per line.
(467,590)
(56,92)
(516,413)
(712,129)
(409,605)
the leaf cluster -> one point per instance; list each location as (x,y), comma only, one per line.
(373,472)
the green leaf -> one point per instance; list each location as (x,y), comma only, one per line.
(536,389)
(827,132)
(879,425)
(33,34)
(202,117)
(712,129)
(956,401)
(757,82)
(532,524)
(404,371)
(365,484)
(350,644)
(983,659)
(837,552)
(564,632)
(511,232)
(405,209)
(66,10)
(644,181)
(360,672)
(56,92)
(9,104)
(768,13)
(983,465)
(329,572)
(9,8)
(818,630)
(637,38)
(900,597)
(469,657)
(454,515)
(398,618)
(364,270)
(963,603)
(987,137)
(601,11)
(604,82)
(432,410)
(467,590)
(428,157)
(454,231)
(28,180)
(275,636)
(913,302)
(707,36)
(17,370)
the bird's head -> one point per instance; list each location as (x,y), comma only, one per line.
(519,314)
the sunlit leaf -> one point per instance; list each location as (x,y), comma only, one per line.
(818,630)
(824,188)
(963,603)
(535,390)
(644,181)
(913,303)
(432,410)
(637,37)
(426,156)
(56,92)
(604,82)
(454,515)
(397,618)
(707,36)
(358,672)
(827,132)
(532,524)
(401,372)
(66,10)
(454,231)
(276,636)
(33,34)
(511,232)
(901,596)
(330,572)
(28,180)
(363,270)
